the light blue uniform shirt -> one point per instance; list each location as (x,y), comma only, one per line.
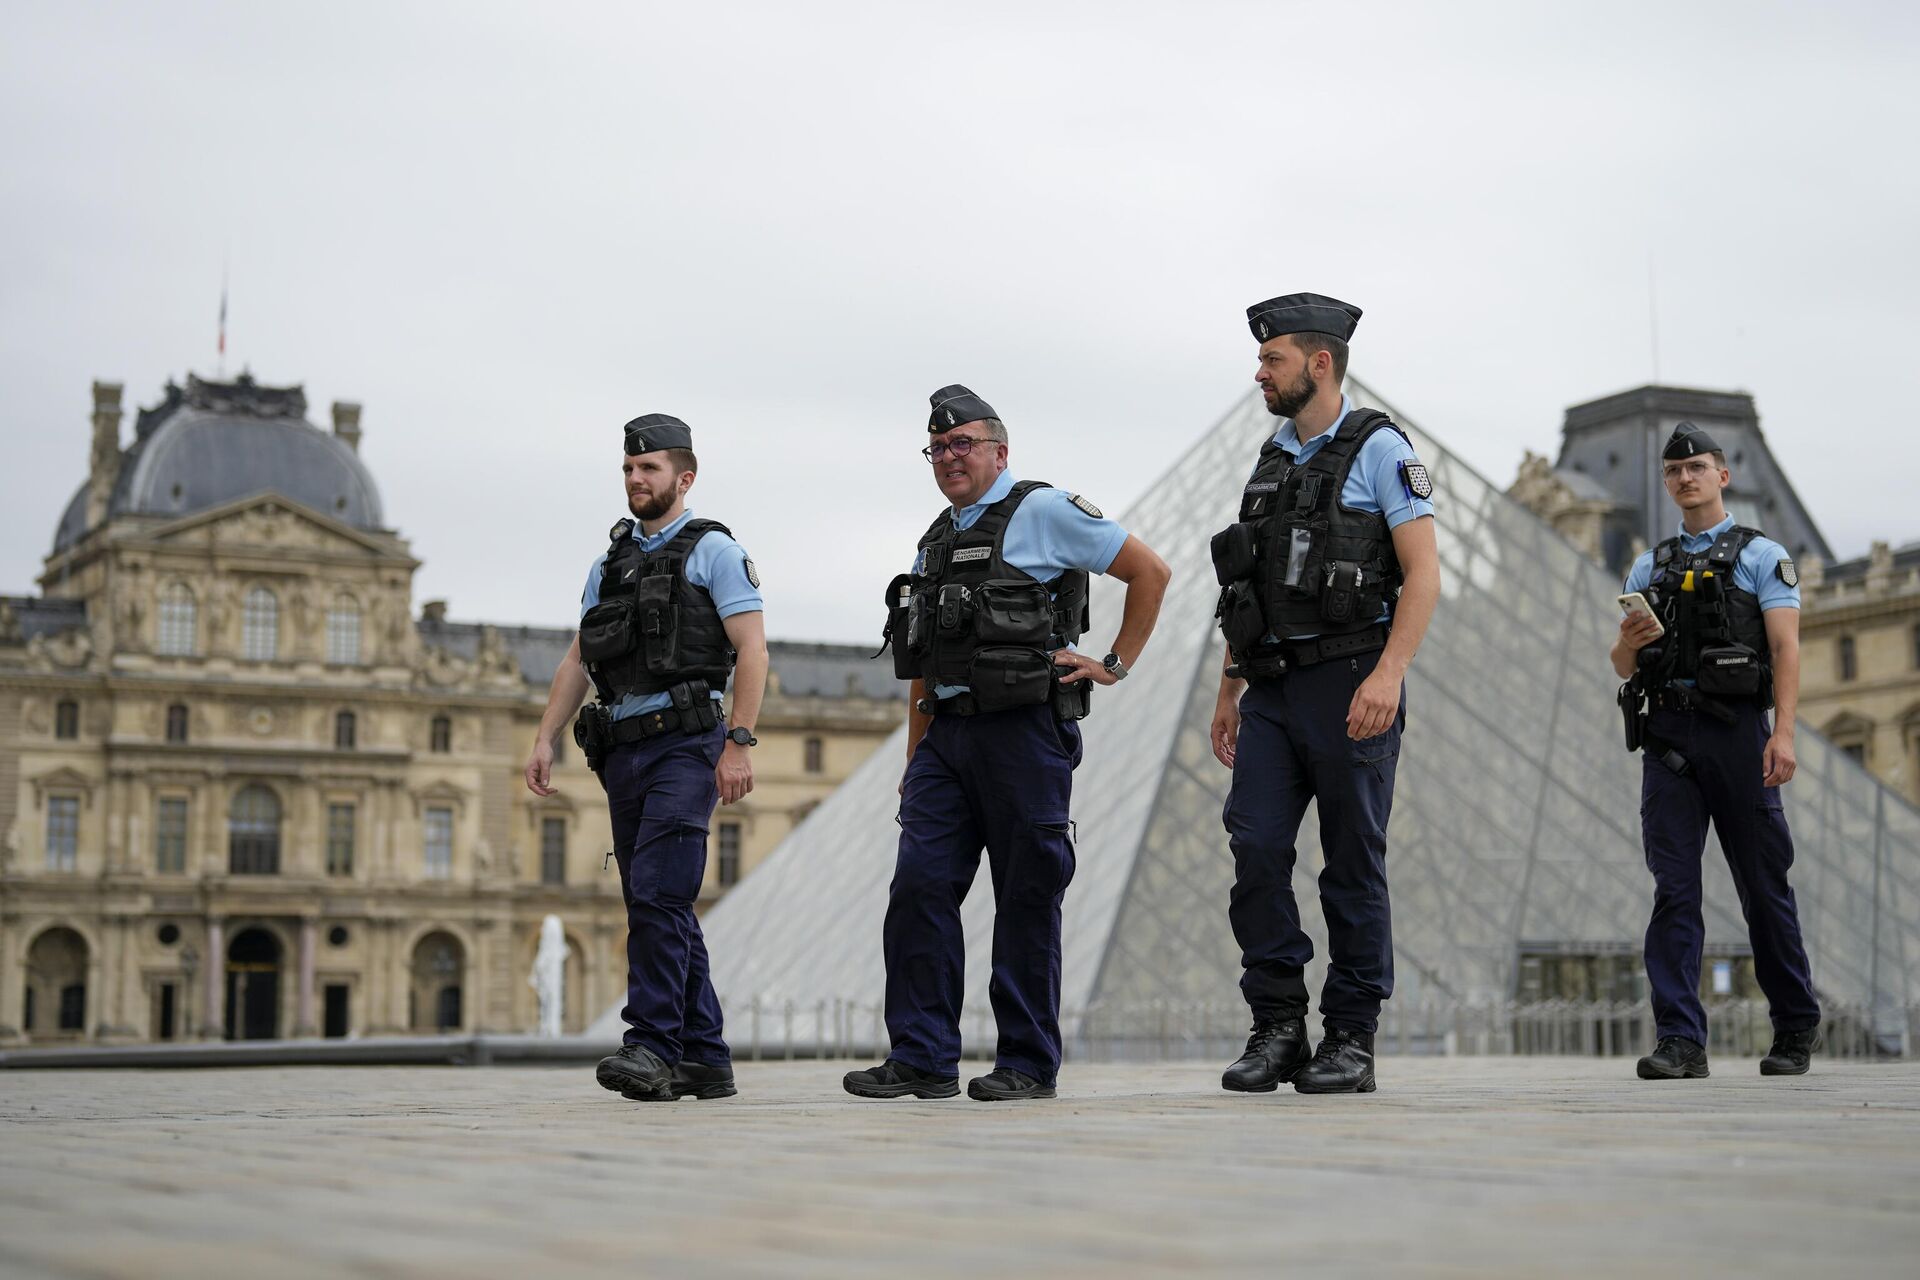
(1374,482)
(717,563)
(1047,536)
(1757,571)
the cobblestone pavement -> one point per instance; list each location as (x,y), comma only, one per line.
(1516,1166)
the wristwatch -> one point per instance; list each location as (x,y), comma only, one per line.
(743,736)
(1115,668)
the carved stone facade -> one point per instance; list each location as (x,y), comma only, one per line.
(245,793)
(1860,659)
(1577,510)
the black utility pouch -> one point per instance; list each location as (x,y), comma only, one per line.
(1241,620)
(1233,554)
(1729,671)
(1633,714)
(1072,701)
(919,623)
(899,602)
(952,608)
(1008,676)
(1340,597)
(1012,613)
(607,632)
(655,619)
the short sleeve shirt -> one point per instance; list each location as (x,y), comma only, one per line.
(1758,571)
(716,564)
(1376,482)
(1049,534)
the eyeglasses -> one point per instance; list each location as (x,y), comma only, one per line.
(959,447)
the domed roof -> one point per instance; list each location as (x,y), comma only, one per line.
(214,442)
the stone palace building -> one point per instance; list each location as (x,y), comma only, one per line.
(246,792)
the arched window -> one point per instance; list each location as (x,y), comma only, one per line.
(66,719)
(177,722)
(441,740)
(253,832)
(178,621)
(343,631)
(260,626)
(344,726)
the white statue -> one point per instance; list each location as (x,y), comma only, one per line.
(549,976)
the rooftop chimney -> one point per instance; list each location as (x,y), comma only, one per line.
(433,611)
(346,423)
(103,469)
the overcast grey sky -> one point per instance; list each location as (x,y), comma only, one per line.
(506,230)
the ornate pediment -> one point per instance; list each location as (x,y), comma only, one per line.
(272,524)
(63,779)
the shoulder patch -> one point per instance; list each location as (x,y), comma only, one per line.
(1788,574)
(621,528)
(1415,477)
(753,574)
(1087,507)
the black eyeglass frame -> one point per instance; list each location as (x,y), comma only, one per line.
(958,446)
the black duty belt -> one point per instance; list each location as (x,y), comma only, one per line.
(1278,659)
(1680,697)
(653,724)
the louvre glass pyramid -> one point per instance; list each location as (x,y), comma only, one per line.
(1515,822)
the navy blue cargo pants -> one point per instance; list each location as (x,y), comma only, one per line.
(1001,780)
(661,792)
(1294,749)
(1722,785)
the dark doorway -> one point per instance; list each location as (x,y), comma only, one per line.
(165,1011)
(253,986)
(333,1022)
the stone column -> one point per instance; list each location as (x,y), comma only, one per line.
(12,988)
(303,1021)
(213,1014)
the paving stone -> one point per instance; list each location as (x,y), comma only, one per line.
(1482,1166)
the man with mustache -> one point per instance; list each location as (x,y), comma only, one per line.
(983,626)
(1726,647)
(1328,578)
(670,611)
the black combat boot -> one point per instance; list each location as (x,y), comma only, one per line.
(1342,1064)
(1675,1058)
(698,1080)
(1791,1053)
(898,1080)
(636,1072)
(1276,1051)
(1004,1084)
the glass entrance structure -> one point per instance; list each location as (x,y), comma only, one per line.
(1515,829)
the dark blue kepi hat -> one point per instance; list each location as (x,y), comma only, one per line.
(954,405)
(653,431)
(1302,313)
(1686,441)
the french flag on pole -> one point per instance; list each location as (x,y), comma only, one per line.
(223,317)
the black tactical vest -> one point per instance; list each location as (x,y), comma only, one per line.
(1715,633)
(967,617)
(652,628)
(1300,561)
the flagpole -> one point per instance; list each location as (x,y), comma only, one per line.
(222,374)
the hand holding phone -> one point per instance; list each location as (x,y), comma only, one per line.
(1634,605)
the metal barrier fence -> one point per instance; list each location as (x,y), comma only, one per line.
(766,1029)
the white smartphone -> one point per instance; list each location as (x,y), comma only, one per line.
(1635,602)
